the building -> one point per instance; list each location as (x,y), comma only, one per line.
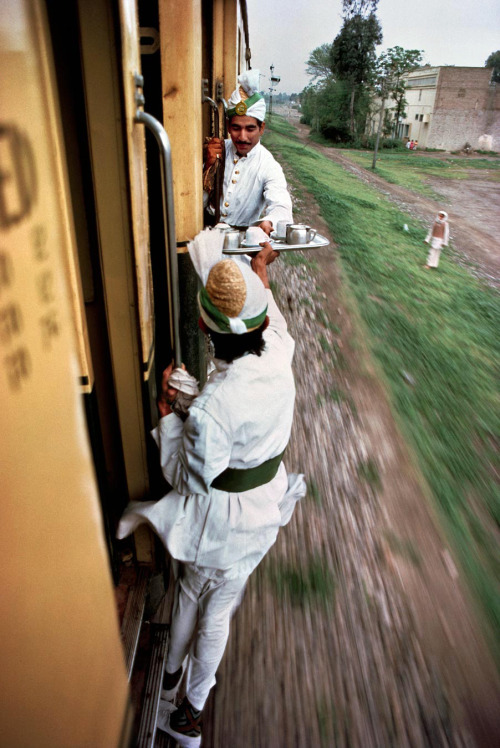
(450,106)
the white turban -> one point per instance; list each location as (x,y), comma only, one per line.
(246,99)
(233,298)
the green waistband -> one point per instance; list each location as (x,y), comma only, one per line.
(236,480)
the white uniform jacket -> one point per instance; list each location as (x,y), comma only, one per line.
(242,417)
(254,188)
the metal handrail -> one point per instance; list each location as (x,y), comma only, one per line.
(214,106)
(218,175)
(221,100)
(169,224)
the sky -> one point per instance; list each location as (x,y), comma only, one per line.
(284,33)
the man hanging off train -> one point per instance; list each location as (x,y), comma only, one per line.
(254,190)
(222,454)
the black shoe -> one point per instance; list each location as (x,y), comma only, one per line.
(185,725)
(170,685)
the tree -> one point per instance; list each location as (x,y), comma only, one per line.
(493,61)
(359,7)
(353,52)
(323,108)
(392,66)
(318,64)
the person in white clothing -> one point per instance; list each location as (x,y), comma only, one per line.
(254,188)
(438,238)
(231,492)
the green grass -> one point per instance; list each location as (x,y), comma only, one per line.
(274,287)
(368,471)
(403,548)
(308,584)
(411,170)
(441,328)
(280,125)
(296,259)
(323,320)
(313,491)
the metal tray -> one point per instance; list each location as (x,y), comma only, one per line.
(280,245)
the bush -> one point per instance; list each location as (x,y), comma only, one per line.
(393,143)
(336,133)
(341,139)
(369,141)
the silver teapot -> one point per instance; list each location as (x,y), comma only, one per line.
(299,233)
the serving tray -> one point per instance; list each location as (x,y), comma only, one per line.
(279,245)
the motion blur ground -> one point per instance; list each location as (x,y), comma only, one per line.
(358,628)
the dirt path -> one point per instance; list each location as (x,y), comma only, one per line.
(472,205)
(356,630)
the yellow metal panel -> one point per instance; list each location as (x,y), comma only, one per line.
(61,657)
(230,46)
(181,39)
(218,42)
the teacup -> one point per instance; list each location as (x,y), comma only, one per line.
(255,235)
(299,233)
(231,239)
(281,229)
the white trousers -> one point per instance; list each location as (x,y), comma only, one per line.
(434,252)
(203,604)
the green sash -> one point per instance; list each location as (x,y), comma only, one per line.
(236,480)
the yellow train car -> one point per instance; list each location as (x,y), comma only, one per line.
(104,108)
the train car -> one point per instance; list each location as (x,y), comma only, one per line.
(104,108)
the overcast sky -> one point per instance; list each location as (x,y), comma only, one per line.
(284,32)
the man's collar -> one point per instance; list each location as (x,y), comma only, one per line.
(235,154)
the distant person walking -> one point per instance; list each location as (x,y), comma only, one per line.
(437,238)
(410,144)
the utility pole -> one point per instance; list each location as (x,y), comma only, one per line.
(274,82)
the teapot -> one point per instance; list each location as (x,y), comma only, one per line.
(299,233)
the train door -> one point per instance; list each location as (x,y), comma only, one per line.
(96,46)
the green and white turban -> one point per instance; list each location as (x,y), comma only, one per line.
(246,99)
(233,299)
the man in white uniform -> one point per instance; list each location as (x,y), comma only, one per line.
(231,492)
(254,190)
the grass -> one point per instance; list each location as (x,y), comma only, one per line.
(282,126)
(411,170)
(439,327)
(313,491)
(297,259)
(323,320)
(368,471)
(274,287)
(308,584)
(403,548)
(325,345)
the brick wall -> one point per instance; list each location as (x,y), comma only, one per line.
(466,108)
